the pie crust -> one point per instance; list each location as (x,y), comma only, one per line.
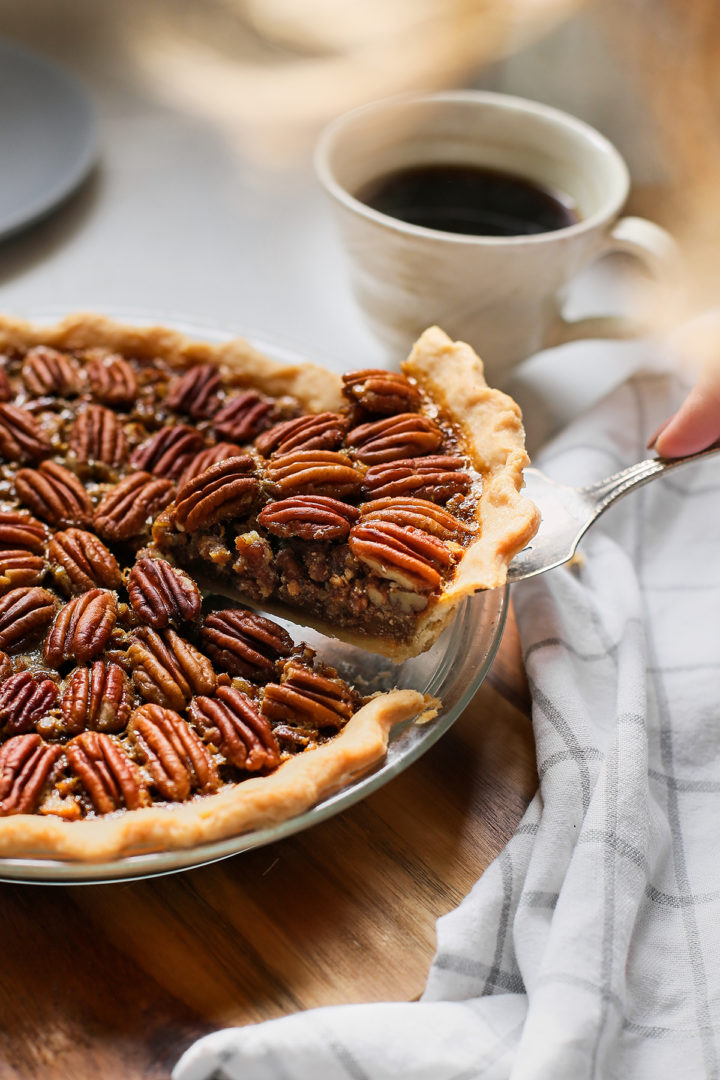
(497,522)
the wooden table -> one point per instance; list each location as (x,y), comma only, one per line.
(109,981)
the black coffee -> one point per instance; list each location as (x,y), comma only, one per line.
(469,199)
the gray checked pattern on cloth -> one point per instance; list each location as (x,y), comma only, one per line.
(590,948)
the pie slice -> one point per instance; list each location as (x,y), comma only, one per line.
(139,713)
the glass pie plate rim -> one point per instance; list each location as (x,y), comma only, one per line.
(452,671)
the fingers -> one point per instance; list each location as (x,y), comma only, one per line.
(696,424)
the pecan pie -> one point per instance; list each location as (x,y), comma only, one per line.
(148,481)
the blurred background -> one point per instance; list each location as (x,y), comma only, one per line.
(203,201)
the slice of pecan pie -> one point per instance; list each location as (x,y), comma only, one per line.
(143,476)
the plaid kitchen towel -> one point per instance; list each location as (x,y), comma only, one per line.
(591,947)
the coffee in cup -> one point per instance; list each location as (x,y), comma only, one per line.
(415,181)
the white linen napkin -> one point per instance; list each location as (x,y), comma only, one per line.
(590,948)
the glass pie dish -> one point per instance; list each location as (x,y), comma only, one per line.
(451,671)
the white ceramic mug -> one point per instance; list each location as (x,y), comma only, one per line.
(503,294)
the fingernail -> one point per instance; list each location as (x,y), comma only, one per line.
(656,435)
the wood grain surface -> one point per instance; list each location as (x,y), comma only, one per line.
(115,981)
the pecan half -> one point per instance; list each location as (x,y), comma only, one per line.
(24,700)
(306,699)
(436,478)
(244,417)
(82,628)
(382,392)
(111,378)
(5,387)
(168,670)
(401,553)
(309,517)
(169,451)
(21,437)
(26,765)
(195,392)
(20,568)
(47,371)
(232,722)
(161,593)
(419,513)
(97,436)
(314,472)
(321,431)
(97,698)
(25,614)
(225,490)
(106,772)
(19,530)
(211,456)
(172,753)
(80,561)
(245,643)
(54,494)
(405,435)
(124,512)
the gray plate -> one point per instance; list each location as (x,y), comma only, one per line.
(47,135)
(452,670)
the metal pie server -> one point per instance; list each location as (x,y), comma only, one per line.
(568,512)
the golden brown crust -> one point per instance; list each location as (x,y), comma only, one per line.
(260,801)
(314,387)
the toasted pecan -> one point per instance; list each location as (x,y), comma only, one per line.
(195,392)
(436,478)
(220,451)
(381,392)
(124,512)
(232,723)
(166,669)
(111,779)
(19,530)
(161,594)
(420,514)
(82,628)
(226,490)
(24,699)
(169,451)
(46,371)
(98,436)
(314,472)
(112,379)
(309,517)
(244,417)
(245,643)
(54,494)
(21,437)
(18,567)
(25,614)
(80,561)
(319,431)
(307,699)
(401,553)
(405,435)
(26,767)
(172,753)
(96,698)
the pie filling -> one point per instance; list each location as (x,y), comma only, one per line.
(126,478)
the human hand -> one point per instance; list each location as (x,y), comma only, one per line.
(696,424)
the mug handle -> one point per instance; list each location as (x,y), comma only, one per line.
(652,246)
